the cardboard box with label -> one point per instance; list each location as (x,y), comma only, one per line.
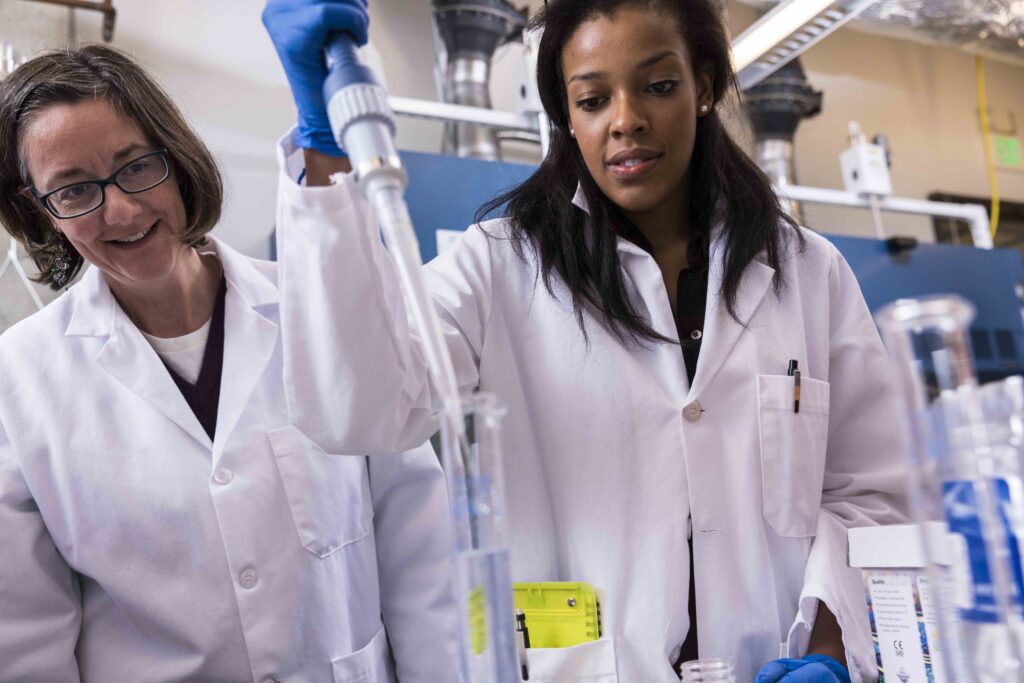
(902,614)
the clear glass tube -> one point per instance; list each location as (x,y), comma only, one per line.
(483,579)
(964,472)
(719,670)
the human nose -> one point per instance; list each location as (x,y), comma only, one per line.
(627,118)
(119,207)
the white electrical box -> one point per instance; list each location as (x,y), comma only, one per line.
(865,170)
(865,166)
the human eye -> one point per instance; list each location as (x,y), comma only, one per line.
(590,104)
(74,198)
(73,192)
(663,87)
(136,167)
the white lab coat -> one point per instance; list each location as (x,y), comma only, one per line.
(609,449)
(134,549)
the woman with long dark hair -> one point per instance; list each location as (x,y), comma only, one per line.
(697,398)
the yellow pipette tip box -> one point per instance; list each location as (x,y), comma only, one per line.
(559,613)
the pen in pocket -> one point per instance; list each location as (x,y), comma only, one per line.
(523,636)
(794,372)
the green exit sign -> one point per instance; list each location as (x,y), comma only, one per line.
(1007,151)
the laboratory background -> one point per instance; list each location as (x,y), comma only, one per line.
(894,127)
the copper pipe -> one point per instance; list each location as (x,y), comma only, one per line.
(105,6)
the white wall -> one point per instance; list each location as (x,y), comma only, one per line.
(215,60)
(923,97)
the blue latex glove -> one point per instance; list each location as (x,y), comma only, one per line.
(299,29)
(808,669)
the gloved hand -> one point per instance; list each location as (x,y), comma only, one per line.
(299,29)
(808,669)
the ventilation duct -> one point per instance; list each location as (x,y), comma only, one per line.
(775,107)
(467,33)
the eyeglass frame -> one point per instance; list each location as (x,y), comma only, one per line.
(110,180)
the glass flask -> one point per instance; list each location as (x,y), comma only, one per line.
(719,670)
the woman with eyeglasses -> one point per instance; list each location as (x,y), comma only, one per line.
(698,400)
(161,517)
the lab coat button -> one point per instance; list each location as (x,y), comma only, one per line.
(223,475)
(692,412)
(248,578)
(696,334)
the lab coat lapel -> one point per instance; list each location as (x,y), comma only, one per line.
(249,338)
(721,330)
(127,356)
(662,360)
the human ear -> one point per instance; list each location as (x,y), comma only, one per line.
(705,82)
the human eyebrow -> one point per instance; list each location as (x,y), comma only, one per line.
(588,76)
(74,172)
(66,174)
(647,62)
(654,59)
(129,149)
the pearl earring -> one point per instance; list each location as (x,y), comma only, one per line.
(704,109)
(572,132)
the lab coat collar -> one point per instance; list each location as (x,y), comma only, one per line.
(623,245)
(253,286)
(94,307)
(250,339)
(721,330)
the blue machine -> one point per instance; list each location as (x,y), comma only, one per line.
(444,193)
(987,278)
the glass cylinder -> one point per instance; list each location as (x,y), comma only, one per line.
(965,469)
(472,453)
(719,670)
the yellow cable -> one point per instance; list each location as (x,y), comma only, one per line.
(986,141)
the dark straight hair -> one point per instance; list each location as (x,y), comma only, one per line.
(726,185)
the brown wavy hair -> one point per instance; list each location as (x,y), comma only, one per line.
(88,73)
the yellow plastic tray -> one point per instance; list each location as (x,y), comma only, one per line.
(559,613)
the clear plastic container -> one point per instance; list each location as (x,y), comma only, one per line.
(965,471)
(719,670)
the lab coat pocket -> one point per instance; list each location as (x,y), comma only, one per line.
(368,664)
(329,495)
(590,662)
(792,452)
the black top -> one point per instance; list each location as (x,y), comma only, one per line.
(203,396)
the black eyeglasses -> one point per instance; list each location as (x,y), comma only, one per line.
(78,199)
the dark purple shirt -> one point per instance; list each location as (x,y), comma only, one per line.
(203,396)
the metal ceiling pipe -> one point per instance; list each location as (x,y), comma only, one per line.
(775,107)
(471,31)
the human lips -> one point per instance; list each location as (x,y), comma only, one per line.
(132,239)
(632,163)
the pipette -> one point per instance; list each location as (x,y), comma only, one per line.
(364,126)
